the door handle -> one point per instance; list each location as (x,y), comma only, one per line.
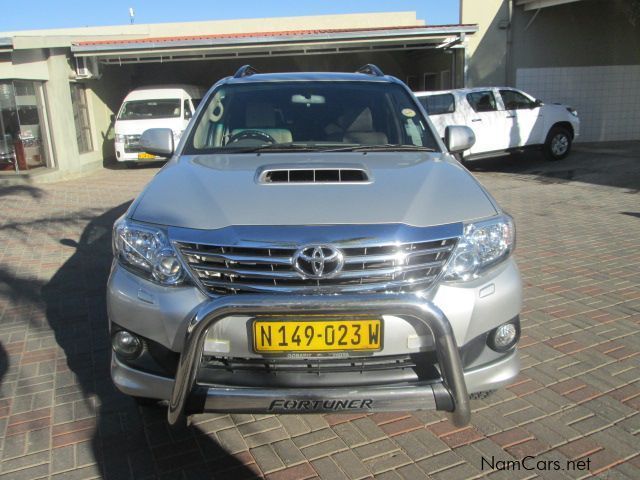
(476,120)
(511,116)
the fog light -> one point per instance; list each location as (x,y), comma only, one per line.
(126,344)
(504,337)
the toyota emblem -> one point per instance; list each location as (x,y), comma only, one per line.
(318,261)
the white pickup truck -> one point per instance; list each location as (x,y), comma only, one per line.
(504,120)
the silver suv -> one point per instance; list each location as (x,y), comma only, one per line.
(312,246)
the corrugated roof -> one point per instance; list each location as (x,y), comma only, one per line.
(266,34)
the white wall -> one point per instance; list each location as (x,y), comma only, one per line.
(607,97)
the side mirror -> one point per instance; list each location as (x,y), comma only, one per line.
(157,141)
(459,138)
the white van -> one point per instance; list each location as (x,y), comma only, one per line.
(167,106)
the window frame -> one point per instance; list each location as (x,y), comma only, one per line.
(189,148)
(454,102)
(517,92)
(490,91)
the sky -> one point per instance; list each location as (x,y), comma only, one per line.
(37,14)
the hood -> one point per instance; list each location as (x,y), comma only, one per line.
(215,191)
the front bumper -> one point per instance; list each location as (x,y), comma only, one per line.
(178,319)
(450,394)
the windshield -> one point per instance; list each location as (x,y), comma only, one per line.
(309,115)
(148,109)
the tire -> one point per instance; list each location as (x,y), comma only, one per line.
(130,165)
(558,143)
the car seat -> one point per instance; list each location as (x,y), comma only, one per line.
(262,117)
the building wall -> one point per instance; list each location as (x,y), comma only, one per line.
(584,53)
(586,33)
(487,49)
(607,97)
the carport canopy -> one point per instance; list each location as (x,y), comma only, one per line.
(273,44)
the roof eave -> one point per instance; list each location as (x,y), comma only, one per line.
(365,35)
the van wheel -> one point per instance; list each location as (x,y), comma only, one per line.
(558,144)
(130,165)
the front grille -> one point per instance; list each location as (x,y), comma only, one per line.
(315,366)
(132,143)
(405,267)
(316,372)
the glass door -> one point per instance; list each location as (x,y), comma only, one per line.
(9,127)
(23,140)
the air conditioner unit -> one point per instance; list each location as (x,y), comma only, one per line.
(87,67)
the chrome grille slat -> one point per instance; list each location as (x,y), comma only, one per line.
(294,275)
(373,268)
(391,257)
(277,260)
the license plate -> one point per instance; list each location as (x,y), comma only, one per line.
(317,335)
(146,155)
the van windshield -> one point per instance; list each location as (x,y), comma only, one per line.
(150,109)
(314,115)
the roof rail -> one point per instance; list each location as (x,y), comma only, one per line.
(245,71)
(370,69)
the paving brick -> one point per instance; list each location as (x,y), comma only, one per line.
(462,437)
(314,437)
(351,465)
(387,461)
(322,449)
(327,468)
(231,440)
(263,438)
(288,452)
(349,434)
(531,447)
(511,437)
(267,459)
(439,462)
(375,449)
(299,472)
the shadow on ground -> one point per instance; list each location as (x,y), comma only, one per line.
(129,442)
(610,164)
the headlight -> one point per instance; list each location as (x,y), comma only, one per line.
(120,138)
(147,251)
(482,245)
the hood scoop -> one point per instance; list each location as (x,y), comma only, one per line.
(297,175)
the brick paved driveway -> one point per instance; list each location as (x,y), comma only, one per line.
(577,398)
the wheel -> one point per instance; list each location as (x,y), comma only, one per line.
(129,165)
(558,143)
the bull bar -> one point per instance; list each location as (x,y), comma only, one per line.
(450,394)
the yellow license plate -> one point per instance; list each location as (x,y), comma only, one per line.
(146,155)
(322,335)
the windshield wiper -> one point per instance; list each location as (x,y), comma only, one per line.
(381,148)
(271,147)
